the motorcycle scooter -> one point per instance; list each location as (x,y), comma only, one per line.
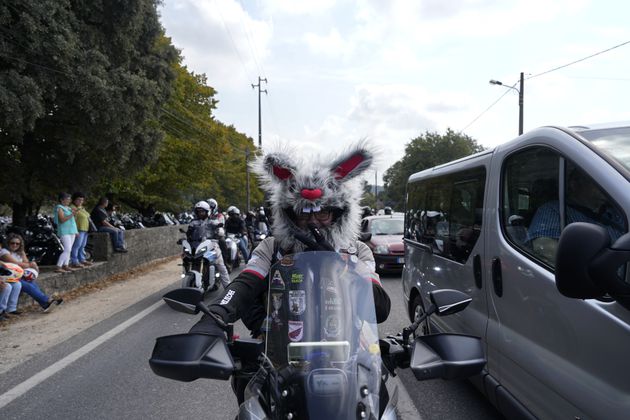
(322,357)
(199,256)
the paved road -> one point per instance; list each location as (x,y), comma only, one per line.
(103,373)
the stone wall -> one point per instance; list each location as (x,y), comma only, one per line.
(144,246)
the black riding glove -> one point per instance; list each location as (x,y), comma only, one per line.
(319,244)
(208,325)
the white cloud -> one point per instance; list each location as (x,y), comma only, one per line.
(332,44)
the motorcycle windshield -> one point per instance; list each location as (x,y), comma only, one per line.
(321,334)
(197,234)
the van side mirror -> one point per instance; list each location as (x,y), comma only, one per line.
(587,264)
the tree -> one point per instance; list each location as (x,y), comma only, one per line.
(82,84)
(423,152)
(199,158)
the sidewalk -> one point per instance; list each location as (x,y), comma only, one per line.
(35,331)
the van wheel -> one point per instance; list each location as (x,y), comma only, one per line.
(417,308)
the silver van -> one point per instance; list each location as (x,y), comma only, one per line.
(489,225)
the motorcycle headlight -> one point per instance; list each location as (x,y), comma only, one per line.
(202,250)
(262,236)
(381,249)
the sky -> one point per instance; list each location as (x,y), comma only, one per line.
(391,70)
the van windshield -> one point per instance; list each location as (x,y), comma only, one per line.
(615,142)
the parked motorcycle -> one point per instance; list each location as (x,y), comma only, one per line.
(199,259)
(41,243)
(322,358)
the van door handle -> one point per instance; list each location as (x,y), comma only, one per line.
(497,277)
(477,270)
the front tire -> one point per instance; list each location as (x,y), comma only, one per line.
(417,309)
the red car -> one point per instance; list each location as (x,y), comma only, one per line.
(386,241)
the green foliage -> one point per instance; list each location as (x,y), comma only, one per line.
(82,83)
(200,157)
(423,152)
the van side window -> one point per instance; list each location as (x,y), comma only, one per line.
(434,217)
(445,213)
(534,211)
(416,193)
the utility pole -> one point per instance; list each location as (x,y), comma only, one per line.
(520,99)
(375,189)
(259,114)
(247,171)
(520,105)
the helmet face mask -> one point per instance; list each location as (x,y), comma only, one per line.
(303,191)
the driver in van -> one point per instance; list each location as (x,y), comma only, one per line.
(585,203)
(315,208)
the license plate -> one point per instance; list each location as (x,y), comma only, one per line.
(400,260)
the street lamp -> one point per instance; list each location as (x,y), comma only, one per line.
(520,100)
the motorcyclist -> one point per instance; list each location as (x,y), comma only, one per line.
(316,209)
(388,211)
(236,225)
(201,219)
(218,220)
(263,221)
(366,211)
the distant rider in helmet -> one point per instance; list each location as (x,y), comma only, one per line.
(201,212)
(219,221)
(236,225)
(387,210)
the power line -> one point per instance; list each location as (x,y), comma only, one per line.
(250,43)
(487,109)
(581,59)
(227,29)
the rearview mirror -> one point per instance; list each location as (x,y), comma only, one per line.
(449,301)
(182,230)
(587,264)
(185,299)
(179,241)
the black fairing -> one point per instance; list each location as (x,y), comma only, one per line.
(186,357)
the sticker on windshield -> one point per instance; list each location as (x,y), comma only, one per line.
(276,281)
(332,326)
(286,261)
(297,301)
(296,330)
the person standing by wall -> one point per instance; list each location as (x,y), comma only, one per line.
(77,255)
(66,230)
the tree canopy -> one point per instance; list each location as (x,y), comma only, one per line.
(82,84)
(199,158)
(423,152)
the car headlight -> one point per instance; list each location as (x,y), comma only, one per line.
(381,249)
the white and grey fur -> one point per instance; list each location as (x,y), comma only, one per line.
(284,176)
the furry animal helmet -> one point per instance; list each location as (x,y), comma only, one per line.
(298,186)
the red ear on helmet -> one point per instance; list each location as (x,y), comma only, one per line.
(279,166)
(351,166)
(281,173)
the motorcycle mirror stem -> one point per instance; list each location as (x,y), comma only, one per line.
(407,331)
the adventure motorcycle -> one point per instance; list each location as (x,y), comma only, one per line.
(199,259)
(322,357)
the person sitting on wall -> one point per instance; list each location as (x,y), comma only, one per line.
(100,218)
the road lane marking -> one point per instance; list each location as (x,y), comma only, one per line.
(38,378)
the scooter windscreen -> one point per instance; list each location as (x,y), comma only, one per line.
(322,337)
